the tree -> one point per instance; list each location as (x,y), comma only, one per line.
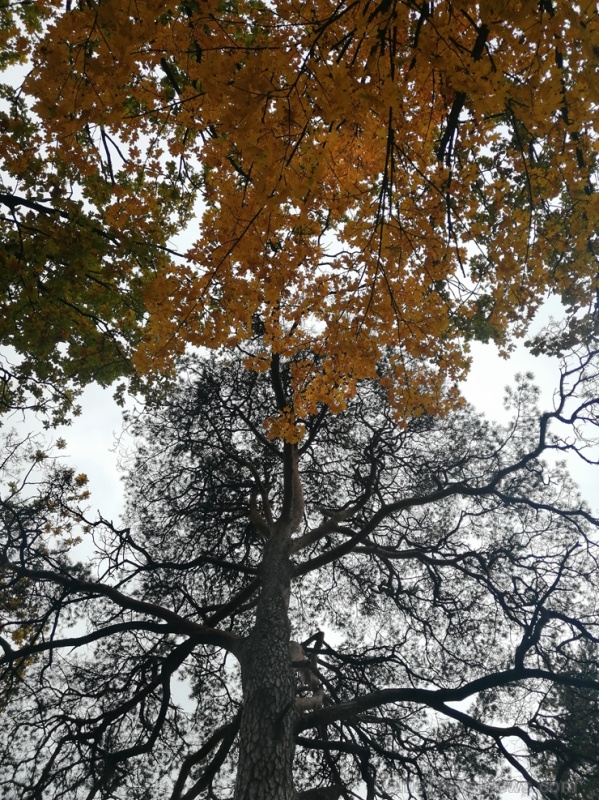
(362,176)
(571,714)
(71,285)
(29,469)
(380,603)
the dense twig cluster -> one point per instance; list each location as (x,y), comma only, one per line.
(441,578)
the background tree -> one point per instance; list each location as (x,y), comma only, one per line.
(379,603)
(571,714)
(30,470)
(361,175)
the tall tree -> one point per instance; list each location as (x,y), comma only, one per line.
(377,606)
(362,175)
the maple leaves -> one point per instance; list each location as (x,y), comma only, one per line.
(367,178)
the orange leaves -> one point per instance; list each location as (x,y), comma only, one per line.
(368,178)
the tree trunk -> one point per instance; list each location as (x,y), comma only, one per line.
(267,741)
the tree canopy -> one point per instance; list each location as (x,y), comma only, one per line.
(354,176)
(332,579)
(381,606)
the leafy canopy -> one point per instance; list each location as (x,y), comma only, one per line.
(353,177)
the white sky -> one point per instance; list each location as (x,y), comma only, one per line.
(92,437)
(490,374)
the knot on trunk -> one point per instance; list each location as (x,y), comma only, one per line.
(257,520)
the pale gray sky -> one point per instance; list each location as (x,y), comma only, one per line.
(91,438)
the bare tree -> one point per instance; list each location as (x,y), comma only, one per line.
(378,610)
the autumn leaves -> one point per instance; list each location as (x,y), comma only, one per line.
(378,182)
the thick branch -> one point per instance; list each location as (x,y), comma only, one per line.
(446,144)
(438,698)
(226,733)
(80,641)
(13,201)
(177,624)
(292,510)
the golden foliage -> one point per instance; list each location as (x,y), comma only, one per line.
(374,176)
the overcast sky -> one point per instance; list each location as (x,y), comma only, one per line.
(92,446)
(92,438)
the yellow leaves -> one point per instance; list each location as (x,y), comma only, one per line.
(21,636)
(285,427)
(521,13)
(312,150)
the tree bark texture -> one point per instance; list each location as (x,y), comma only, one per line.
(267,741)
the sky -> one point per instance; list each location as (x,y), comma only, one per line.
(490,374)
(92,438)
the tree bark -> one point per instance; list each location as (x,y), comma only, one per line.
(267,735)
